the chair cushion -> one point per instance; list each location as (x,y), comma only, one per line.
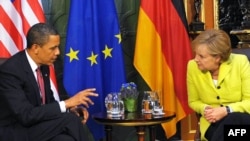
(245,51)
(2,60)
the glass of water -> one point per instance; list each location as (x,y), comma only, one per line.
(114,104)
(147,102)
(158,108)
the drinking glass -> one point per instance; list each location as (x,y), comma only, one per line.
(108,102)
(114,104)
(147,102)
(158,108)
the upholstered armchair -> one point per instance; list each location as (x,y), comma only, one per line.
(2,60)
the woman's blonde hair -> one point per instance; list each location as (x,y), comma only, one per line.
(217,42)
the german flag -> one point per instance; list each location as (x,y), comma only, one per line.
(161,54)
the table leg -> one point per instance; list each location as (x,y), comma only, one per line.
(140,130)
(152,134)
(108,130)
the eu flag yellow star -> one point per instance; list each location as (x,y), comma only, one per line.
(72,54)
(92,58)
(107,51)
(119,37)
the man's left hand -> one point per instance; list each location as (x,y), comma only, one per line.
(81,112)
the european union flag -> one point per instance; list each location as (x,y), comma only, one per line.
(93,53)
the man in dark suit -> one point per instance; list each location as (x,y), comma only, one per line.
(23,115)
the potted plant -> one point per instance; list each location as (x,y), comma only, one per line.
(129,95)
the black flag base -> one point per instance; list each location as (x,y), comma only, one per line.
(196,26)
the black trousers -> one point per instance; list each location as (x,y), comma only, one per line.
(215,132)
(67,127)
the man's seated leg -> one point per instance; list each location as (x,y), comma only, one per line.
(89,134)
(67,123)
(62,137)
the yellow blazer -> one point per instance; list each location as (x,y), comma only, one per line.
(233,87)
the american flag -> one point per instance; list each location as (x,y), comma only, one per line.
(16,17)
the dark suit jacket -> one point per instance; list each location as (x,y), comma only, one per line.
(20,102)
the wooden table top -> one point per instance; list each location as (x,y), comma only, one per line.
(133,118)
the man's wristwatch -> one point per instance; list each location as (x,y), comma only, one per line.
(228,109)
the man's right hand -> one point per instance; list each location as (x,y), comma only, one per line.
(81,98)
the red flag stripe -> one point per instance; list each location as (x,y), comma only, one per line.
(34,16)
(53,81)
(8,43)
(3,52)
(37,6)
(10,21)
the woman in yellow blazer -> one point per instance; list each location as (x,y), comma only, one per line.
(218,83)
